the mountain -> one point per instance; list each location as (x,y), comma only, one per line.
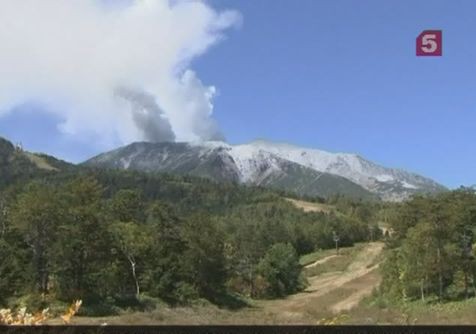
(389,183)
(282,166)
(17,164)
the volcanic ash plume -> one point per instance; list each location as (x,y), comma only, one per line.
(149,118)
(71,57)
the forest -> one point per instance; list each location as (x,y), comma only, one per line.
(128,240)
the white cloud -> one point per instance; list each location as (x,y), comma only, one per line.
(73,55)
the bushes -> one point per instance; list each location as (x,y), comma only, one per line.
(280,270)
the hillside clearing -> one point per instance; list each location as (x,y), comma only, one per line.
(311,207)
(40,162)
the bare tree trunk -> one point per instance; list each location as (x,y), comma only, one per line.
(134,275)
(440,274)
(4,227)
(422,290)
(43,274)
(466,283)
(252,286)
(250,278)
(45,282)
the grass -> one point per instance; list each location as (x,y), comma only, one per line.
(40,162)
(322,253)
(379,259)
(338,263)
(378,310)
(311,207)
(200,313)
(315,256)
(368,313)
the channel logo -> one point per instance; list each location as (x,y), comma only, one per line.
(429,43)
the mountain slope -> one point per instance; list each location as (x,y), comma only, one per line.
(282,166)
(388,183)
(17,164)
(222,162)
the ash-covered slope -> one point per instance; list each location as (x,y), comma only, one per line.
(388,183)
(283,166)
(223,162)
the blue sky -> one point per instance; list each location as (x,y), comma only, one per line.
(335,75)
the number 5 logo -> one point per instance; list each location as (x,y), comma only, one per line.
(429,43)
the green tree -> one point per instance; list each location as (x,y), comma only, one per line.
(37,214)
(204,258)
(127,206)
(165,267)
(133,240)
(83,251)
(13,268)
(433,240)
(281,269)
(419,265)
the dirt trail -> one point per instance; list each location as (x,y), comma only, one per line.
(296,306)
(363,287)
(321,261)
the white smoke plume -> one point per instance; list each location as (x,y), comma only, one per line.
(119,70)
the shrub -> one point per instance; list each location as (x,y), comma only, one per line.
(281,270)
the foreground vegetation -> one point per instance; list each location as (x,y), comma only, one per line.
(23,318)
(313,305)
(378,310)
(122,240)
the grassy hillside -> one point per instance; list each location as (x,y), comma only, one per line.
(20,166)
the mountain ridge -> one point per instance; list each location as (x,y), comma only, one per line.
(276,165)
(281,166)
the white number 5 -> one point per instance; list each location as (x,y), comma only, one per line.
(429,44)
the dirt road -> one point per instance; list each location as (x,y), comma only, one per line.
(334,291)
(321,261)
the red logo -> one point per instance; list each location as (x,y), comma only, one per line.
(429,43)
